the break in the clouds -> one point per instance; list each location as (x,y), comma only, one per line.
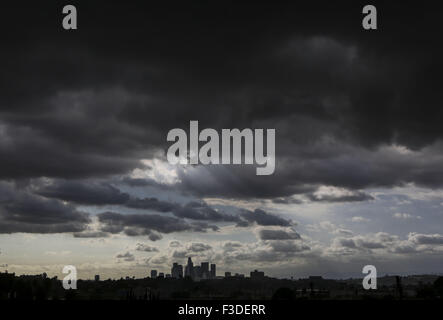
(84,118)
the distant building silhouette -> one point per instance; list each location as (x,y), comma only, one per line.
(213,271)
(197,273)
(161,275)
(227,274)
(189,269)
(257,275)
(41,287)
(97,277)
(153,274)
(204,269)
(177,271)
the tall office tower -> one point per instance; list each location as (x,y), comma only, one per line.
(177,271)
(197,273)
(213,271)
(153,274)
(204,268)
(174,270)
(189,270)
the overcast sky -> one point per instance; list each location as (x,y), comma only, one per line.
(84,117)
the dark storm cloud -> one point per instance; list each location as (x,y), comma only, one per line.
(153,236)
(263,218)
(201,226)
(106,194)
(151,204)
(27,154)
(93,102)
(354,168)
(269,234)
(91,234)
(23,212)
(102,193)
(202,211)
(84,192)
(238,182)
(139,182)
(150,225)
(195,210)
(433,239)
(380,240)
